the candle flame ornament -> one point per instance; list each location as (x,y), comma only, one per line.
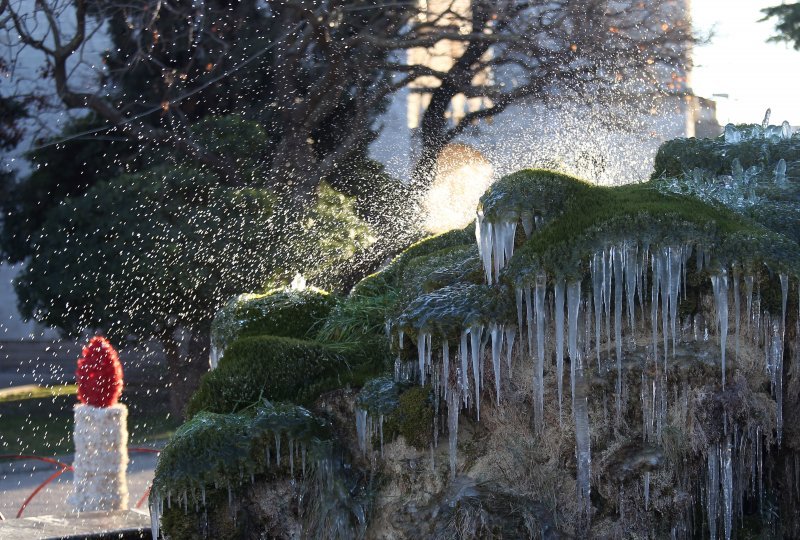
(101,431)
(99,374)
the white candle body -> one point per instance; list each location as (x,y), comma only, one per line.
(101,458)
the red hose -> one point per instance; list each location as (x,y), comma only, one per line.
(68,468)
(38,489)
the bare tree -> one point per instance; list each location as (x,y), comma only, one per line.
(465,60)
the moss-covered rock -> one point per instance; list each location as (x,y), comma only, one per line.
(199,479)
(597,217)
(413,418)
(531,195)
(679,156)
(282,312)
(220,449)
(278,368)
(451,309)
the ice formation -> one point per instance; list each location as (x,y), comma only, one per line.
(617,275)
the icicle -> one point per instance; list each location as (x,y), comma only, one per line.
(541,287)
(748,286)
(663,280)
(737,310)
(607,295)
(727,489)
(559,296)
(529,318)
(518,293)
(784,298)
(291,458)
(654,306)
(527,224)
(630,256)
(483,235)
(618,284)
(497,252)
(475,334)
(583,447)
(646,411)
(422,354)
(597,299)
(361,429)
(573,308)
(278,447)
(463,352)
(496,333)
(380,431)
(774,344)
(720,286)
(511,336)
(647,491)
(453,406)
(712,490)
(675,263)
(446,366)
(156,509)
(214,355)
(495,245)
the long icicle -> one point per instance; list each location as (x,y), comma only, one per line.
(720,286)
(618,285)
(559,297)
(496,333)
(597,299)
(475,335)
(541,288)
(573,308)
(511,336)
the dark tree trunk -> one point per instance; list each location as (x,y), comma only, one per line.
(185,369)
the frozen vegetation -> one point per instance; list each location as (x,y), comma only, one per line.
(670,306)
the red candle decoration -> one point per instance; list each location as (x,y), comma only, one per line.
(99,374)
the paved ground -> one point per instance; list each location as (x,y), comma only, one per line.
(17,481)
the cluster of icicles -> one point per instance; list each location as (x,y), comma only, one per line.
(619,278)
(197,497)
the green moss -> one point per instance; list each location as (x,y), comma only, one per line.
(285,312)
(277,368)
(221,449)
(393,276)
(600,216)
(263,367)
(529,194)
(413,418)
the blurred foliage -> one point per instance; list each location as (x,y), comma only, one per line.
(787,24)
(144,253)
(61,171)
(141,254)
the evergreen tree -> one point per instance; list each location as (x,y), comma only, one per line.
(787,24)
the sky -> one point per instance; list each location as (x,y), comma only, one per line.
(739,62)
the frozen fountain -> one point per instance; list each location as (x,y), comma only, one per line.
(671,308)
